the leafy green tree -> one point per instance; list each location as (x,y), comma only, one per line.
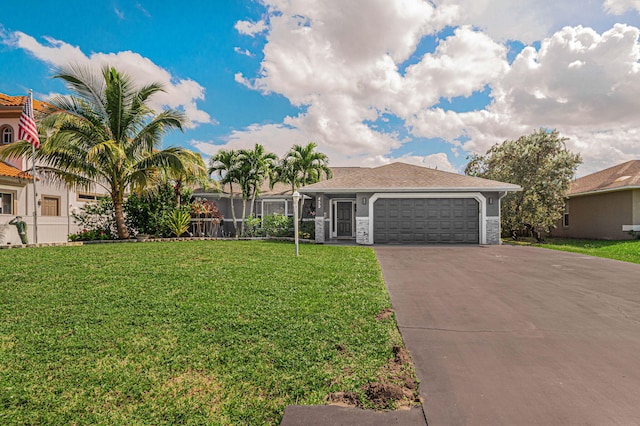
(225,164)
(107,134)
(541,164)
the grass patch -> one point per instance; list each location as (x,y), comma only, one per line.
(199,332)
(627,250)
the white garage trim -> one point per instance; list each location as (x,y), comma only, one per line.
(482,202)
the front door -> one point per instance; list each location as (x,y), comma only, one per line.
(345,219)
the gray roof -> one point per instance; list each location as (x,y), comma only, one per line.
(616,178)
(401,177)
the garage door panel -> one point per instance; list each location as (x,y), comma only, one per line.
(426,221)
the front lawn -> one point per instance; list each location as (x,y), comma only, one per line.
(628,251)
(198,332)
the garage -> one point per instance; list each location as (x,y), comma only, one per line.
(426,221)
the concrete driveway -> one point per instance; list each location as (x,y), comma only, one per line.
(505,335)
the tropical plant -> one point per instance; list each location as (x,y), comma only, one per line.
(225,165)
(254,167)
(541,164)
(106,134)
(301,166)
(178,221)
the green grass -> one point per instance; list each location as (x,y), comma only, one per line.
(201,332)
(627,251)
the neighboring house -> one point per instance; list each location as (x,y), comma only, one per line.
(603,205)
(54,202)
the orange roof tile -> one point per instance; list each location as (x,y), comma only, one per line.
(10,171)
(18,101)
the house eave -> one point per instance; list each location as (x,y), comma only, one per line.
(604,191)
(407,190)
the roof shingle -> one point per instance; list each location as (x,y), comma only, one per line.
(622,176)
(407,177)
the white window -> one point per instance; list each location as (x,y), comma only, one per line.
(7,135)
(565,216)
(274,207)
(6,203)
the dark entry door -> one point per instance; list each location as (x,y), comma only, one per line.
(345,219)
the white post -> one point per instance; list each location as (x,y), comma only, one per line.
(296,198)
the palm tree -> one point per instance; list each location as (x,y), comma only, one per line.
(106,134)
(225,165)
(259,165)
(303,165)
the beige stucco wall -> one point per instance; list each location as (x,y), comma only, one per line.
(601,216)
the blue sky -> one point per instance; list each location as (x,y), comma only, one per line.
(371,81)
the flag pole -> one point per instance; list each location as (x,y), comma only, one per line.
(33,174)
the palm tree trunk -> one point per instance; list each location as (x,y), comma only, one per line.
(233,211)
(244,210)
(123,233)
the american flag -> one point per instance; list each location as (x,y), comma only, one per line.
(27,130)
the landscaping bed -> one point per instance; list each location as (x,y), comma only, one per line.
(194,332)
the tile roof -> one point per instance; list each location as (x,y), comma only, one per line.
(18,102)
(406,177)
(10,171)
(622,176)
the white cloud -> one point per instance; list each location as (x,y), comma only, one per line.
(250,28)
(340,63)
(618,7)
(438,161)
(244,52)
(180,93)
(119,13)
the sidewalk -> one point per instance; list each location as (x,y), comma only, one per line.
(333,415)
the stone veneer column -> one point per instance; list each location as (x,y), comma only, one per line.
(362,230)
(492,225)
(319,229)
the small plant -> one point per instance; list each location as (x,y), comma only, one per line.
(277,225)
(178,221)
(90,235)
(252,226)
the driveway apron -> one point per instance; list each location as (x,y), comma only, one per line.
(505,335)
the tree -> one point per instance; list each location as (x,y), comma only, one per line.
(258,165)
(225,165)
(106,134)
(302,165)
(541,164)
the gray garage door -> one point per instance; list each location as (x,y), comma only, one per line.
(425,221)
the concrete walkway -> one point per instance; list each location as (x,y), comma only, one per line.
(506,335)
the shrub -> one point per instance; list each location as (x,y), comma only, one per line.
(307,230)
(277,225)
(252,227)
(146,213)
(95,220)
